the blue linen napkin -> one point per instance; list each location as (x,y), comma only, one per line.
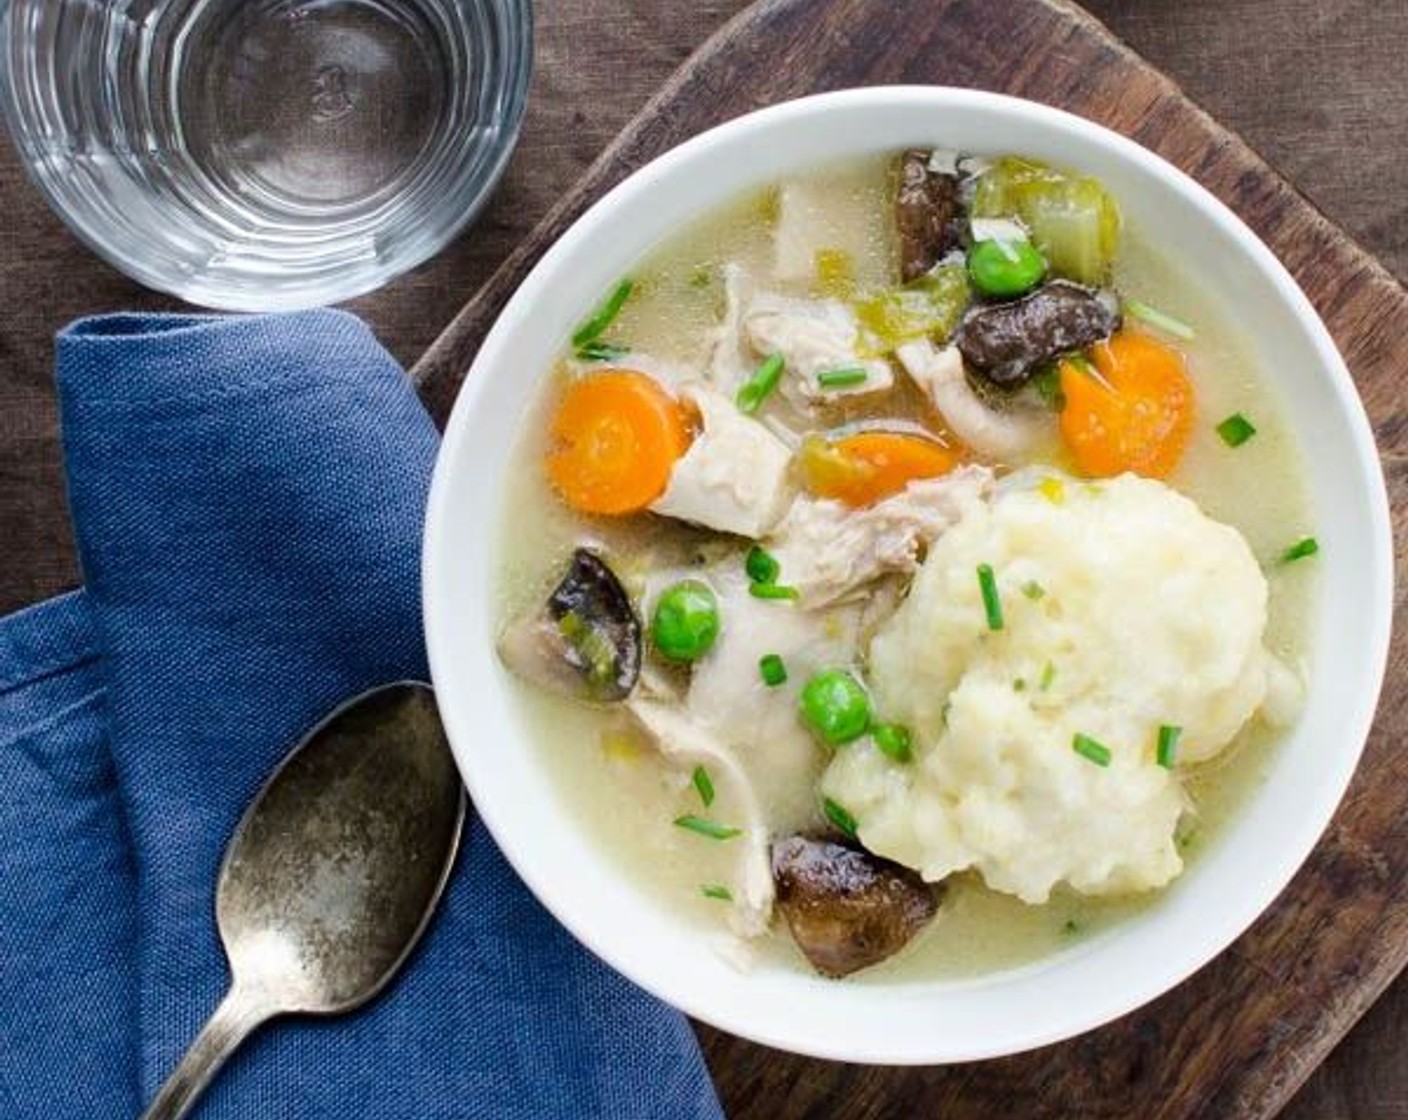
(247,496)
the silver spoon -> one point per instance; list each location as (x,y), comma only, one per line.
(332,875)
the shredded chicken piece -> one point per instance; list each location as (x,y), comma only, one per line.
(729,698)
(830,552)
(732,361)
(734,476)
(746,731)
(939,373)
(814,336)
(680,737)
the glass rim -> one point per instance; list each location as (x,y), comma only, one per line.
(433,228)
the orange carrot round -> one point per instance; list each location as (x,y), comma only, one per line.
(616,437)
(861,469)
(1134,412)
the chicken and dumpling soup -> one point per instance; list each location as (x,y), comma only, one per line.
(908,569)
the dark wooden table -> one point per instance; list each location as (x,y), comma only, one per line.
(1317,87)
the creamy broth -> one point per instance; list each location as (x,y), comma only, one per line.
(624,796)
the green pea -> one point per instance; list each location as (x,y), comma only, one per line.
(686,621)
(1005,268)
(836,706)
(893,740)
(761,566)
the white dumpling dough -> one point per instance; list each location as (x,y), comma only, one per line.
(1148,613)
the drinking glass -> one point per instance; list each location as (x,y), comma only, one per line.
(265,154)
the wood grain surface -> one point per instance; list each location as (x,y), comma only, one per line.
(1240,1037)
(1317,85)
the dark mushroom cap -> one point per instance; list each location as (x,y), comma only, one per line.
(586,640)
(1006,342)
(848,909)
(926,206)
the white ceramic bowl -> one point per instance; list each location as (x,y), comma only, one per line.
(914,1022)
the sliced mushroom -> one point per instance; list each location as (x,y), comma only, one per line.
(848,909)
(1006,342)
(926,207)
(585,641)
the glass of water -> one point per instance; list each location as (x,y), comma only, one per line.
(265,154)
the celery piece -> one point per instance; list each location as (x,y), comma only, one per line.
(1073,220)
(928,307)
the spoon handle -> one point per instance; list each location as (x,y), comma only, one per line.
(231,1024)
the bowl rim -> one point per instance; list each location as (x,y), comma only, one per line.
(1101,1007)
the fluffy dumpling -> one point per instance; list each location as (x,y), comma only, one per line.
(1124,608)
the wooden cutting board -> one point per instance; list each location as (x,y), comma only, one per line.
(1237,1039)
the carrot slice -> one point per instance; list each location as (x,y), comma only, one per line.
(616,437)
(1133,413)
(861,469)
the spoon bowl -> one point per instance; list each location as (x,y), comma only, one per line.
(333,873)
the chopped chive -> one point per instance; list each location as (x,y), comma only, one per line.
(1019,685)
(1071,927)
(1082,363)
(772,591)
(840,816)
(844,378)
(597,322)
(893,740)
(1158,319)
(1033,590)
(705,785)
(1092,749)
(753,392)
(761,566)
(1300,550)
(598,350)
(1167,753)
(1236,430)
(992,603)
(701,277)
(705,827)
(1048,675)
(715,890)
(594,324)
(773,671)
(945,710)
